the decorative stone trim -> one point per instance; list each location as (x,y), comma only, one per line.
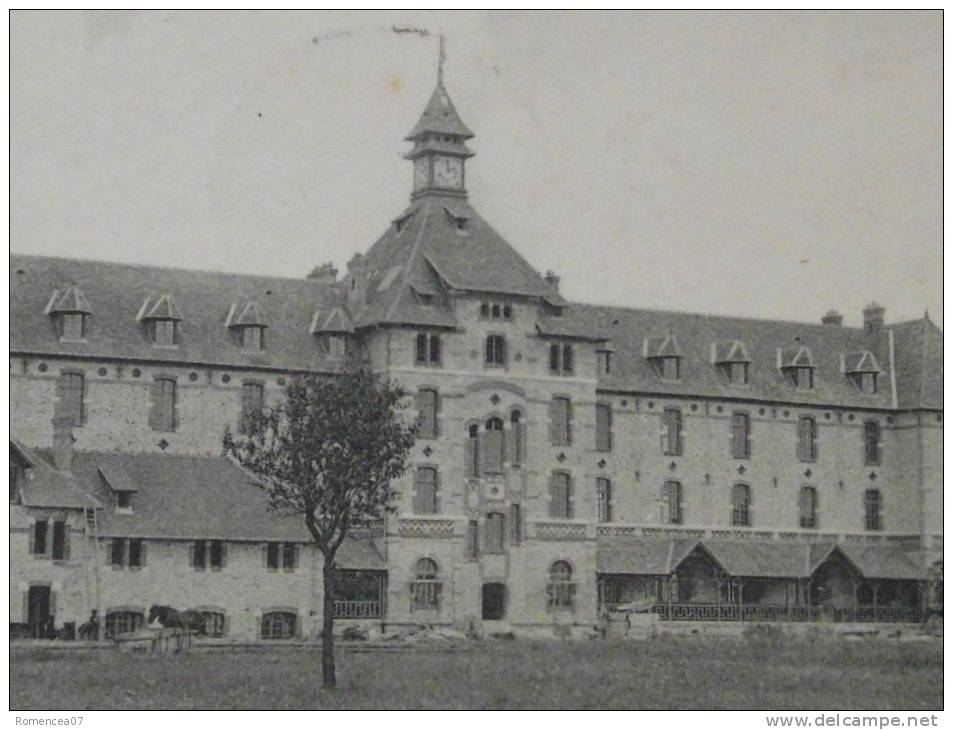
(606,530)
(425,527)
(560,531)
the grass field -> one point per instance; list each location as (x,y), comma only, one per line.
(669,672)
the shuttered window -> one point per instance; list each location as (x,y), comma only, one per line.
(740,435)
(289,557)
(516,524)
(117,552)
(425,491)
(199,555)
(672,503)
(427,403)
(672,432)
(603,427)
(741,505)
(872,510)
(253,398)
(163,415)
(871,443)
(515,438)
(807,438)
(216,554)
(70,391)
(60,541)
(495,531)
(38,537)
(136,554)
(604,499)
(807,507)
(560,496)
(473,539)
(472,452)
(560,422)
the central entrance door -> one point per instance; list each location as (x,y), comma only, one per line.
(494,601)
(38,610)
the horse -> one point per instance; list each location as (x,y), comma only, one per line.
(89,631)
(170,618)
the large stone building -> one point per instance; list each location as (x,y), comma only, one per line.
(570,456)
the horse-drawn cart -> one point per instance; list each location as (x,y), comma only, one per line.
(172,640)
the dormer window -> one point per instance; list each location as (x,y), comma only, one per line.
(120,483)
(665,356)
(333,327)
(69,310)
(460,222)
(161,318)
(248,326)
(604,362)
(253,338)
(798,367)
(124,501)
(732,360)
(862,368)
(335,346)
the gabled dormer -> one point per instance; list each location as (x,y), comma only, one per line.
(664,355)
(863,370)
(121,486)
(248,326)
(334,329)
(161,318)
(797,365)
(70,311)
(732,360)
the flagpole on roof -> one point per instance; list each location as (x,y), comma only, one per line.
(441,58)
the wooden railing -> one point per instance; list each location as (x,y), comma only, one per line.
(768,612)
(357,609)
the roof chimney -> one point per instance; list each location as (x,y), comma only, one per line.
(63,443)
(552,279)
(833,318)
(873,319)
(324,274)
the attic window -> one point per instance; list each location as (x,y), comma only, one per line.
(69,310)
(801,377)
(335,346)
(736,372)
(253,338)
(164,332)
(124,501)
(865,382)
(460,222)
(668,367)
(72,326)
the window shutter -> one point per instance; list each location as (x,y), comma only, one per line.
(66,541)
(553,505)
(53,606)
(297,557)
(156,406)
(33,540)
(436,492)
(224,554)
(552,422)
(418,493)
(142,553)
(569,498)
(568,431)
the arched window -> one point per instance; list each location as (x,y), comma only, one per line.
(741,505)
(278,625)
(214,624)
(560,589)
(495,350)
(493,446)
(426,586)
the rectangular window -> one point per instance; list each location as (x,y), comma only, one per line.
(560,422)
(672,502)
(670,368)
(59,540)
(516,518)
(74,326)
(124,500)
(740,436)
(165,332)
(117,552)
(871,443)
(163,404)
(428,349)
(289,557)
(216,554)
(492,447)
(868,383)
(603,427)
(199,555)
(40,528)
(336,346)
(807,507)
(604,498)
(554,358)
(672,432)
(495,531)
(272,552)
(253,398)
(135,553)
(604,362)
(473,539)
(872,509)
(807,438)
(738,373)
(252,339)
(804,378)
(741,505)
(495,350)
(425,491)
(427,413)
(71,388)
(560,498)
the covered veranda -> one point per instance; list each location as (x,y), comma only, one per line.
(752,580)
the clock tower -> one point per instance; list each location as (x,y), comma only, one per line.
(440,152)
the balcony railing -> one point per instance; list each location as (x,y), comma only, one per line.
(769,612)
(358,609)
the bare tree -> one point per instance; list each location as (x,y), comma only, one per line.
(329,452)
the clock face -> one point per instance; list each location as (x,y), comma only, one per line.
(421,172)
(448,172)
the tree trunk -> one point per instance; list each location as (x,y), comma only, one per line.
(327,632)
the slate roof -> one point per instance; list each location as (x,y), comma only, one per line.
(651,555)
(918,352)
(45,486)
(70,300)
(116,293)
(440,116)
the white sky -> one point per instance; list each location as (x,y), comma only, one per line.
(770,164)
